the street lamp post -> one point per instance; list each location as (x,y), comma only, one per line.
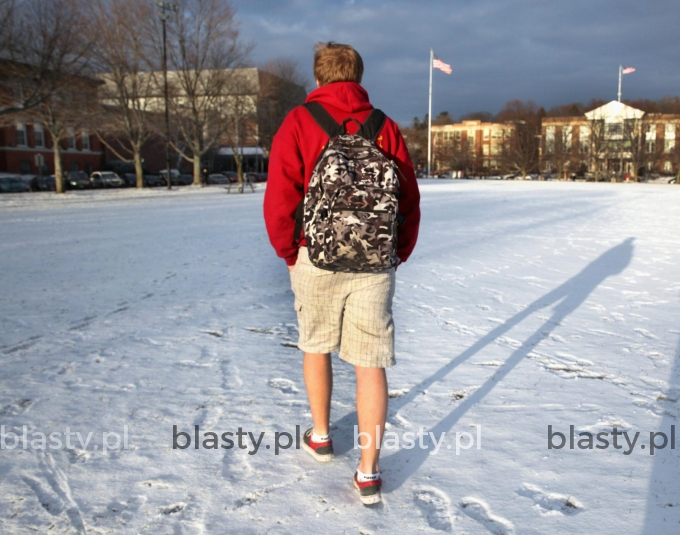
(165,8)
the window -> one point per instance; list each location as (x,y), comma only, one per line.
(668,145)
(458,134)
(25,167)
(471,139)
(584,138)
(669,131)
(495,149)
(70,139)
(74,166)
(650,133)
(21,134)
(38,134)
(650,145)
(668,167)
(497,134)
(549,139)
(485,150)
(566,137)
(85,140)
(614,129)
(486,133)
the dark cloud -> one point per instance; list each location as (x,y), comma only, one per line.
(554,52)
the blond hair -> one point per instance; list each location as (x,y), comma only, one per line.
(335,62)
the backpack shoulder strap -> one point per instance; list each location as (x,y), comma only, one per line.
(373,125)
(323,119)
(368,130)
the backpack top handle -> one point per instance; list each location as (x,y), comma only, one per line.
(368,130)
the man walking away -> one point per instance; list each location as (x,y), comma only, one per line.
(342,209)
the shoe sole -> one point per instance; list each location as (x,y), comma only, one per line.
(321,458)
(368,500)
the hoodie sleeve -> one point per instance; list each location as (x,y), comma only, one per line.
(409,196)
(285,186)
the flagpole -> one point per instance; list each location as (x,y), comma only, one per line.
(620,70)
(429,122)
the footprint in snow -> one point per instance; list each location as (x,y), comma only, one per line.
(53,492)
(16,407)
(479,511)
(285,385)
(551,501)
(434,505)
(645,333)
(173,508)
(395,393)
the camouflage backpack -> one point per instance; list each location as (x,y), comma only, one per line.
(350,211)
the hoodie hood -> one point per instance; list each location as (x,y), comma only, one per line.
(348,97)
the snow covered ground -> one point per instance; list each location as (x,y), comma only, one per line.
(524,305)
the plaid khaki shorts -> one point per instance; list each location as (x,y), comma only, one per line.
(347,311)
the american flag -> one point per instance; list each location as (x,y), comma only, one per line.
(627,70)
(439,64)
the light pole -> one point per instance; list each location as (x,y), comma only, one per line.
(164,9)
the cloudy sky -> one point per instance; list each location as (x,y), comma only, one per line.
(554,52)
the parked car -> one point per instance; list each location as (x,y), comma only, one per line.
(120,167)
(673,180)
(174,177)
(261,177)
(12,184)
(43,183)
(105,179)
(152,181)
(218,178)
(129,180)
(231,175)
(77,180)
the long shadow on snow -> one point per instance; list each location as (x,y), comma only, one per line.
(663,495)
(567,298)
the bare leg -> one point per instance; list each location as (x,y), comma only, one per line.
(318,372)
(371,411)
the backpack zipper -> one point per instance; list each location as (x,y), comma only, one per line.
(399,170)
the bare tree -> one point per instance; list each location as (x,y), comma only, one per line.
(558,148)
(519,150)
(455,153)
(42,45)
(639,143)
(204,50)
(415,137)
(7,8)
(283,86)
(240,120)
(118,31)
(69,110)
(46,72)
(484,116)
(598,146)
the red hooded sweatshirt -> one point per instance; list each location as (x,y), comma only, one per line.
(295,150)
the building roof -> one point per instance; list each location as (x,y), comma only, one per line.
(614,111)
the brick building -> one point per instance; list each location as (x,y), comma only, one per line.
(21,143)
(471,146)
